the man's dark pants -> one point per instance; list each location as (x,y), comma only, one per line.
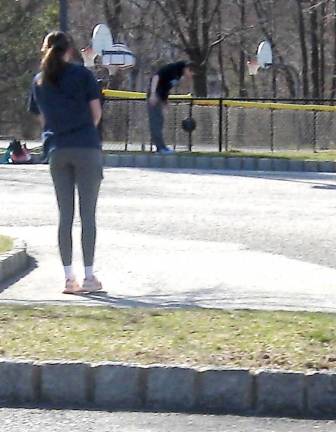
(156,123)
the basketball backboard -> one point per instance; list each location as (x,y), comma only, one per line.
(265,55)
(113,55)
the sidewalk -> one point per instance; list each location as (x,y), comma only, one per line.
(184,239)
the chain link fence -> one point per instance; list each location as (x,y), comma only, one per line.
(220,127)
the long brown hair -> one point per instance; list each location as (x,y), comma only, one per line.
(55,45)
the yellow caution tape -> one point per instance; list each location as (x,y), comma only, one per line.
(119,94)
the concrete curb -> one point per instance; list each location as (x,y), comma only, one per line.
(168,388)
(14,262)
(217,163)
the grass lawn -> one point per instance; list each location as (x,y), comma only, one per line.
(299,341)
(5,244)
(327,155)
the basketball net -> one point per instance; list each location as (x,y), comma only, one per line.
(253,67)
(112,69)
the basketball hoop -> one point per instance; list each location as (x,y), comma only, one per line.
(264,59)
(253,67)
(113,55)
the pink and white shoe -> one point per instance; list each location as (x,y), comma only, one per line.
(92,285)
(72,287)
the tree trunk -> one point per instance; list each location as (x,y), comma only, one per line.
(200,80)
(333,82)
(315,66)
(304,53)
(225,91)
(323,17)
(113,11)
(242,59)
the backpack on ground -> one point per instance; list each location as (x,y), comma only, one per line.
(18,153)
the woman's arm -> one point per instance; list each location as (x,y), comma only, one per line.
(96,111)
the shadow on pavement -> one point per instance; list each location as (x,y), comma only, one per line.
(316,180)
(32,265)
(325,187)
(139,302)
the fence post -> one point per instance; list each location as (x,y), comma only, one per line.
(272,130)
(144,130)
(220,133)
(315,131)
(102,101)
(127,125)
(226,128)
(175,124)
(190,141)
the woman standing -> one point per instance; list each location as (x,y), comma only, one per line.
(66,97)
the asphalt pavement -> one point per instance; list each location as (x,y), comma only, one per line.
(179,238)
(18,420)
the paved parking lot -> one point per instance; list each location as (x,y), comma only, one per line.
(256,240)
(16,420)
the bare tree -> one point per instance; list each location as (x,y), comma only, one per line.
(22,27)
(191,25)
(242,56)
(303,45)
(333,83)
(315,57)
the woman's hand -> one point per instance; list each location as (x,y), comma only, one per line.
(96,111)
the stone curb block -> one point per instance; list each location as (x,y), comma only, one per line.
(112,160)
(234,163)
(280,165)
(141,161)
(203,163)
(295,165)
(311,166)
(321,394)
(218,163)
(169,388)
(19,381)
(153,160)
(187,162)
(170,162)
(119,386)
(265,164)
(126,161)
(327,166)
(249,164)
(225,391)
(156,161)
(280,393)
(65,383)
(14,261)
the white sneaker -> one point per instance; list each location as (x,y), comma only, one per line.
(166,151)
(92,285)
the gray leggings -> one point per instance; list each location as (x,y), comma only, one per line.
(83,168)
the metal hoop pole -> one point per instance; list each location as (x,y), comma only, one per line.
(63,15)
